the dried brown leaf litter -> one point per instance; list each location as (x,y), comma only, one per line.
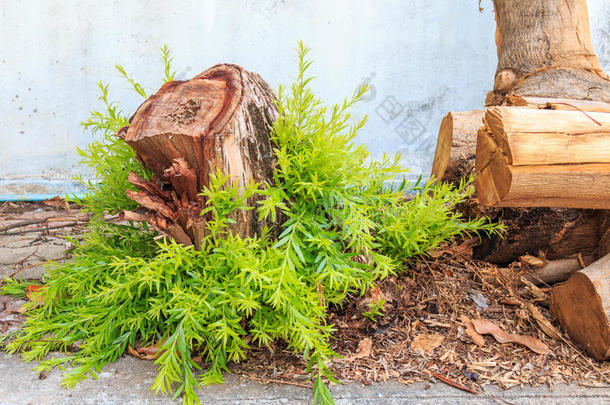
(433,298)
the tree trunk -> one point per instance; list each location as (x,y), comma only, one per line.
(545,60)
(218,121)
(545,50)
(582,305)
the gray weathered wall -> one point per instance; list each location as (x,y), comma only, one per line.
(422,58)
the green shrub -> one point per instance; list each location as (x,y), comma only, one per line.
(345,229)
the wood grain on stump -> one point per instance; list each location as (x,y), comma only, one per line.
(219,120)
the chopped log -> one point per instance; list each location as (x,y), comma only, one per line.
(557,233)
(545,50)
(454,155)
(543,158)
(536,137)
(544,271)
(219,120)
(582,305)
(456,146)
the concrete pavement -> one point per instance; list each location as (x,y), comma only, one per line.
(128,380)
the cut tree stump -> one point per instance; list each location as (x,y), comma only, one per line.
(219,120)
(543,158)
(582,305)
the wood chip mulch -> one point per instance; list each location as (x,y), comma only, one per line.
(425,336)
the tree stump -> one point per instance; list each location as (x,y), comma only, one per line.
(219,120)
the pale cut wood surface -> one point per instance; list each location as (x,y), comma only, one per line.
(455,149)
(582,305)
(557,148)
(565,186)
(529,120)
(529,157)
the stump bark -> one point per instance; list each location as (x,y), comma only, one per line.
(218,121)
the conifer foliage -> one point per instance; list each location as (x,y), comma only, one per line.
(345,226)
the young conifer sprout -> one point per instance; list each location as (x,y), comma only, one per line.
(125,285)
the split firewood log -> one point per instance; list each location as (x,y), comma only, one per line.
(542,271)
(582,305)
(219,120)
(455,149)
(543,158)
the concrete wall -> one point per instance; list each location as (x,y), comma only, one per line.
(422,58)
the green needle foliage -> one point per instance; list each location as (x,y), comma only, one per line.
(344,227)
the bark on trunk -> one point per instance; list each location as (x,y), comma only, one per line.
(555,233)
(545,50)
(218,121)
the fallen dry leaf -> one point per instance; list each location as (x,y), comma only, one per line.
(131,351)
(476,337)
(364,349)
(485,327)
(452,383)
(511,301)
(427,342)
(455,250)
(146,352)
(57,202)
(535,291)
(32,289)
(149,351)
(544,323)
(532,260)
